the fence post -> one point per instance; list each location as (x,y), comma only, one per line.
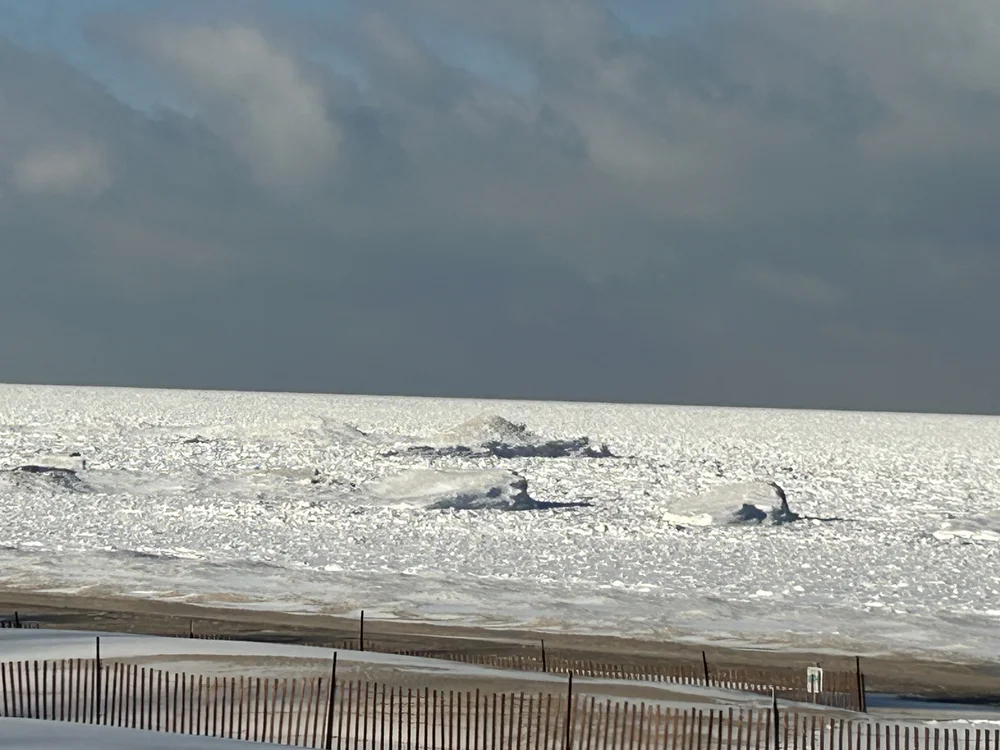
(361,637)
(17,620)
(569,713)
(861,685)
(329,710)
(545,666)
(777,719)
(704,664)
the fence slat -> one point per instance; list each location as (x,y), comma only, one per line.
(111,703)
(34,689)
(399,720)
(257,735)
(203,728)
(364,723)
(3,682)
(357,715)
(268,730)
(241,703)
(216,699)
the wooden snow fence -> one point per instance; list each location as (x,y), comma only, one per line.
(369,716)
(841,689)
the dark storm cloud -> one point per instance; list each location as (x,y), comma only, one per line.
(792,204)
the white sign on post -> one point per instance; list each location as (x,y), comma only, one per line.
(814,679)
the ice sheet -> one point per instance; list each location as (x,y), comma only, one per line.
(259,500)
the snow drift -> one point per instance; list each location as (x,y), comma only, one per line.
(31,734)
(487,489)
(492,435)
(743,503)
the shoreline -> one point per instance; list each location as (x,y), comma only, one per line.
(926,677)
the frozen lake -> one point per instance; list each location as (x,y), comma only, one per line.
(322,503)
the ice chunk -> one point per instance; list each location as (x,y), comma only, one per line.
(745,502)
(52,470)
(461,490)
(492,435)
(983,528)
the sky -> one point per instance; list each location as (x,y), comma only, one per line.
(789,203)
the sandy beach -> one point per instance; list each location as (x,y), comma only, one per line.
(940,680)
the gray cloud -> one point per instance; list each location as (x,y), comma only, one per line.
(789,204)
(77,169)
(256,97)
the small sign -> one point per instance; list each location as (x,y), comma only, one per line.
(814,679)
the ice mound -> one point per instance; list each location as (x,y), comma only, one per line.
(331,429)
(486,489)
(492,435)
(984,528)
(486,428)
(320,430)
(59,470)
(743,503)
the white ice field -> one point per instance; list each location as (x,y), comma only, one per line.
(408,510)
